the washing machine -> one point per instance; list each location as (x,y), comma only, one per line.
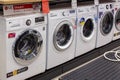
(116,34)
(105,24)
(23,46)
(61,36)
(86,29)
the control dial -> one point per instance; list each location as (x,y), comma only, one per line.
(111,6)
(28,22)
(107,6)
(65,14)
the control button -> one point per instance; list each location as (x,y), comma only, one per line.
(107,7)
(28,22)
(111,6)
(63,13)
(72,11)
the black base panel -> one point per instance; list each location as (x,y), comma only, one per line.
(49,74)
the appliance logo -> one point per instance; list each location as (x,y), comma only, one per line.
(16,25)
(16,72)
(8,7)
(80,10)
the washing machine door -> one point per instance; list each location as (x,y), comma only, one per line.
(87,30)
(63,35)
(117,20)
(27,47)
(106,23)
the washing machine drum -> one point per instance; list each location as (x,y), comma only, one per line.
(27,47)
(88,28)
(117,20)
(106,23)
(63,36)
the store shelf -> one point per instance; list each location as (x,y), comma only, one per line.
(17,1)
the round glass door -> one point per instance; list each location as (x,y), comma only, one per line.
(106,24)
(117,20)
(27,47)
(88,28)
(63,35)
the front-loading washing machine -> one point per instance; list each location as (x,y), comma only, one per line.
(105,24)
(116,24)
(23,46)
(61,36)
(86,29)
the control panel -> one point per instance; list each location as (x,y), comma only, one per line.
(110,6)
(25,21)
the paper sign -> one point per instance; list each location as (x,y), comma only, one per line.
(45,6)
(13,9)
(74,1)
(74,4)
(96,2)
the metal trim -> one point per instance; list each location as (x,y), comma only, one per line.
(27,62)
(93,32)
(106,13)
(116,15)
(56,45)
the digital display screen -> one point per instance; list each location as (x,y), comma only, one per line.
(39,19)
(72,11)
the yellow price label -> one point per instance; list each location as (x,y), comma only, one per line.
(82,21)
(14,72)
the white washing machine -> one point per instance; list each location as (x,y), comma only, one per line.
(23,46)
(86,29)
(61,36)
(105,24)
(116,34)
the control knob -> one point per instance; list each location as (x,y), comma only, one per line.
(65,14)
(28,22)
(107,6)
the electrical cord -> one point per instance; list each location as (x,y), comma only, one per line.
(116,55)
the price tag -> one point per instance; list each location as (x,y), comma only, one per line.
(74,4)
(96,2)
(45,6)
(74,1)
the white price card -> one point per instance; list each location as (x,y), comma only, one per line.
(96,2)
(74,1)
(74,4)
